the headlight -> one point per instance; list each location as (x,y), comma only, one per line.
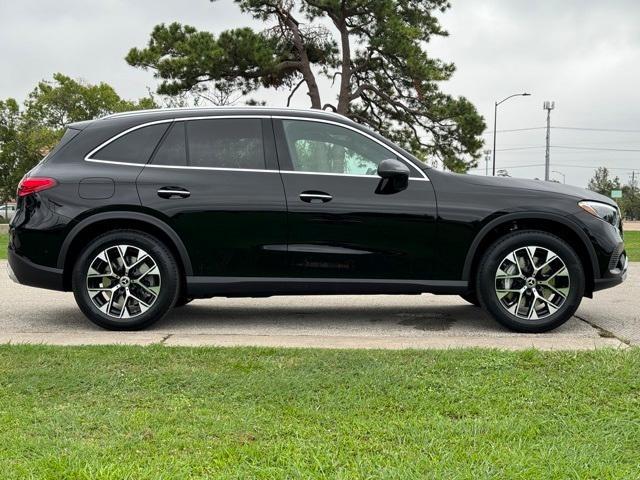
(601,210)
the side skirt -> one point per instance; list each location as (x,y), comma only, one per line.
(205,287)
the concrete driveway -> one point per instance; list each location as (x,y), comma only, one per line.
(30,315)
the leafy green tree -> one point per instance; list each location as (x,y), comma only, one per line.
(602,182)
(28,133)
(64,100)
(630,201)
(373,49)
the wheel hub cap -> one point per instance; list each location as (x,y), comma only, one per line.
(532,282)
(123,281)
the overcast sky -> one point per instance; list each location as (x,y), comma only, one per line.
(583,54)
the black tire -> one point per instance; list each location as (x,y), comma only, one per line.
(182,301)
(486,281)
(472,298)
(164,260)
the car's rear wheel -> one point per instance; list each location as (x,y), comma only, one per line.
(125,280)
(531,281)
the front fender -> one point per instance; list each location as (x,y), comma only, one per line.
(535,215)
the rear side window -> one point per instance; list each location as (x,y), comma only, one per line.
(226,143)
(133,147)
(69,135)
(173,149)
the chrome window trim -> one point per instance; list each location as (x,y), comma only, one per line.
(356,175)
(279,117)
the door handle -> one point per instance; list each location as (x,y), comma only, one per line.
(173,192)
(315,197)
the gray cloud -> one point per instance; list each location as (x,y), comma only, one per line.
(584,54)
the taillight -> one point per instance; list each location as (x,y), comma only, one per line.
(29,185)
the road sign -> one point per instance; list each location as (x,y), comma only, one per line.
(616,193)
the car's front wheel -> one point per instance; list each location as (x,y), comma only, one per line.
(125,280)
(530,281)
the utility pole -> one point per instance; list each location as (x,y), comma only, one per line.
(548,106)
(487,157)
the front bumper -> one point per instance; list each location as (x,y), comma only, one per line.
(28,273)
(617,273)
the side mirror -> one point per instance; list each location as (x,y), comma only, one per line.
(395,176)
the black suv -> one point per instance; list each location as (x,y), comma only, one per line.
(139,212)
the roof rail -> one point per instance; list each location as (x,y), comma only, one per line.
(196,109)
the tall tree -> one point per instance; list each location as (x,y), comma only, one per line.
(602,182)
(374,49)
(28,133)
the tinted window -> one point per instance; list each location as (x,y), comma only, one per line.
(69,135)
(173,149)
(134,147)
(226,143)
(326,148)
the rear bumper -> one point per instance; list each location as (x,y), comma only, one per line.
(28,273)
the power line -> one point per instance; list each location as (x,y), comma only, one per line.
(564,165)
(515,130)
(586,129)
(594,167)
(597,148)
(570,147)
(519,148)
(620,130)
(509,167)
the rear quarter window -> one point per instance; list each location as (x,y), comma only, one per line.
(135,146)
(69,135)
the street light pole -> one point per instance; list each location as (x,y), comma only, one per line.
(495,123)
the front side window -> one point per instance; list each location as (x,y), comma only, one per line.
(325,148)
(133,147)
(226,143)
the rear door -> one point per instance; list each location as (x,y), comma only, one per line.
(215,181)
(341,224)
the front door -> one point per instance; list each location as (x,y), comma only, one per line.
(215,182)
(341,224)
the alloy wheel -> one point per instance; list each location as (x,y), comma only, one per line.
(123,281)
(532,282)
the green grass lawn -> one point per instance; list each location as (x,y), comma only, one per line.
(632,245)
(4,241)
(168,413)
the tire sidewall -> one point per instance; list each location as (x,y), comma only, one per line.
(485,281)
(164,261)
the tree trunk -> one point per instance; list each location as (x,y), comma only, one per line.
(345,74)
(307,73)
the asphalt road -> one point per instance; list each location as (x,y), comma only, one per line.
(29,315)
